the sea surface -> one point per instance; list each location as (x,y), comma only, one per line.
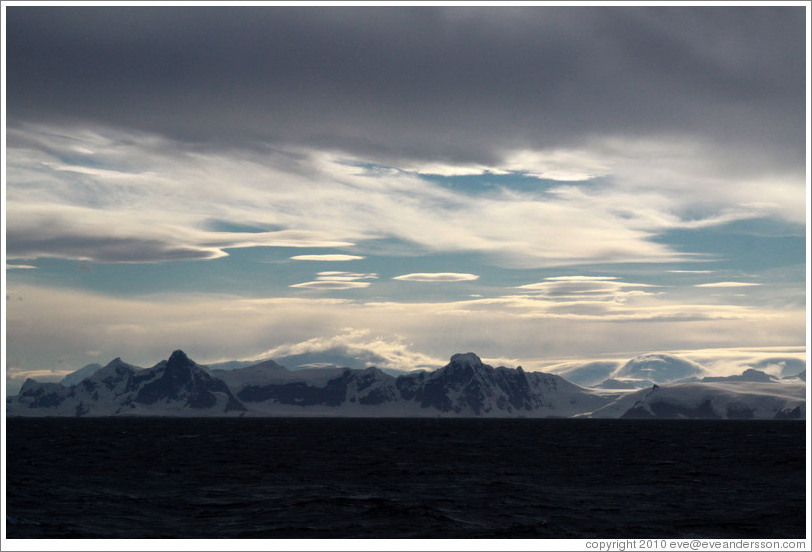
(403,478)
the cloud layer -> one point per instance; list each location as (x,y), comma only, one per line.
(527,328)
(108,196)
(564,163)
(419,83)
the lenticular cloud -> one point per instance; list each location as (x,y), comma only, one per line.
(436,277)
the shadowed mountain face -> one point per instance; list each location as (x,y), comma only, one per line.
(468,384)
(184,380)
(176,385)
(464,387)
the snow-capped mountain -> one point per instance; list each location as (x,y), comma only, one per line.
(658,368)
(589,374)
(465,387)
(640,372)
(748,375)
(177,386)
(75,377)
(711,400)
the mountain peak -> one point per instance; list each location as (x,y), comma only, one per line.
(466,359)
(179,357)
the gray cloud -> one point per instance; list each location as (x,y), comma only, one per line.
(452,84)
(102,248)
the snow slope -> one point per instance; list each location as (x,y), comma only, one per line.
(75,377)
(711,400)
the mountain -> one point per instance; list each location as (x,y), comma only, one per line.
(748,375)
(177,386)
(782,366)
(717,400)
(589,374)
(658,368)
(465,387)
(801,377)
(624,383)
(75,377)
(269,372)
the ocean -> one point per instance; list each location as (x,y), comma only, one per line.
(260,478)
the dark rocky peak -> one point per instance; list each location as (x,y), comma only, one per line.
(757,375)
(181,366)
(179,358)
(463,366)
(466,359)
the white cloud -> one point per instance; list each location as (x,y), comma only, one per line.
(437,277)
(346,276)
(328,258)
(338,280)
(147,198)
(580,278)
(727,284)
(19,267)
(49,324)
(585,288)
(331,285)
(383,352)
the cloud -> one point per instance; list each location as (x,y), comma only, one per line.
(581,278)
(328,258)
(160,205)
(393,353)
(437,277)
(19,267)
(728,284)
(589,137)
(327,285)
(98,241)
(634,151)
(585,287)
(553,76)
(53,323)
(335,280)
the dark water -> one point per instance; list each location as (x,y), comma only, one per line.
(383,478)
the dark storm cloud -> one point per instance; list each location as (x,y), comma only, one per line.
(453,84)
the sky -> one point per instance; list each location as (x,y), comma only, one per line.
(539,185)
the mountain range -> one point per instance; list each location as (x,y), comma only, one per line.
(465,387)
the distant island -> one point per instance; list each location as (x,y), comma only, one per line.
(465,387)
